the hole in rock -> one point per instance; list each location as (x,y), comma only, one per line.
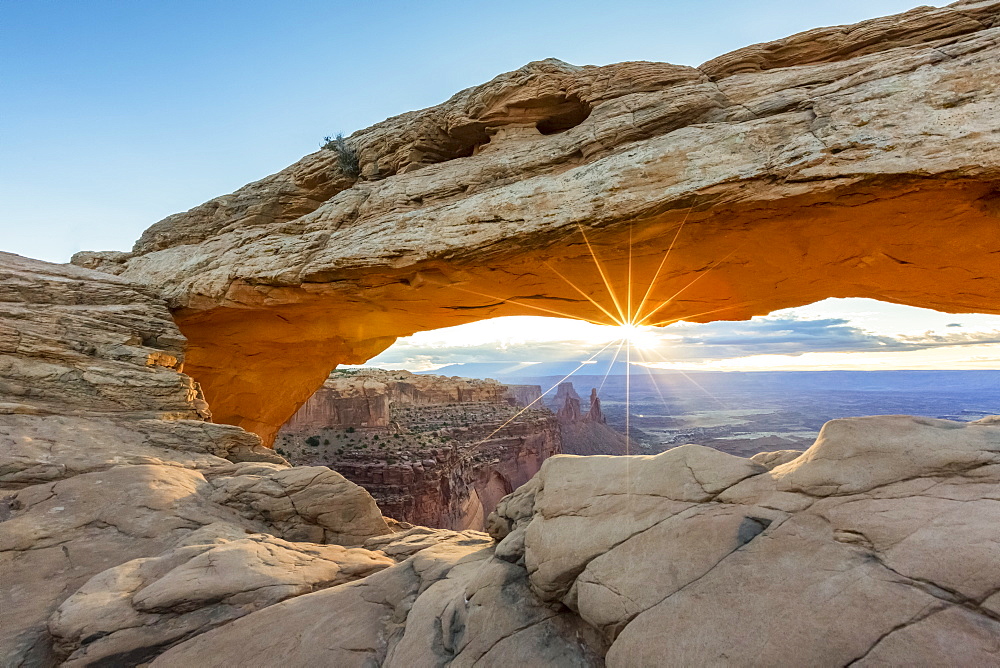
(686,286)
(463,142)
(563,116)
(550,115)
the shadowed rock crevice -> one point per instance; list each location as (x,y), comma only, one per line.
(750,528)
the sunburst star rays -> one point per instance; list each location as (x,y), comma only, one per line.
(634,321)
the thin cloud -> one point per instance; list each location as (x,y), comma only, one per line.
(695,342)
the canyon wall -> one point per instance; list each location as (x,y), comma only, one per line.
(853,161)
(454,487)
(432,450)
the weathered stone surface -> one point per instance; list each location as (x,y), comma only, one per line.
(667,570)
(826,45)
(634,493)
(406,543)
(446,605)
(855,455)
(106,457)
(860,161)
(83,341)
(216,574)
(932,641)
(776,458)
(37,449)
(850,161)
(306,503)
(131,534)
(56,536)
(755,574)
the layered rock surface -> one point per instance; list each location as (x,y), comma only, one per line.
(106,458)
(855,161)
(433,450)
(877,546)
(365,398)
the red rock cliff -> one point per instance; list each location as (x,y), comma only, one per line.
(432,450)
(586,433)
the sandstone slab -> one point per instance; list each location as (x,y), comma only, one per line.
(214,575)
(107,458)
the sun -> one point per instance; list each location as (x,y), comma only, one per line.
(637,336)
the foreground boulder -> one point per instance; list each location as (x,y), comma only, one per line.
(877,546)
(212,576)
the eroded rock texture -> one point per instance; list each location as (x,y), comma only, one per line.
(876,546)
(433,450)
(132,535)
(106,458)
(214,575)
(857,161)
(586,432)
(853,161)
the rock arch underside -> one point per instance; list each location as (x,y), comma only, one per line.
(843,162)
(140,525)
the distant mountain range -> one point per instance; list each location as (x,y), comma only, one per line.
(835,380)
(511,371)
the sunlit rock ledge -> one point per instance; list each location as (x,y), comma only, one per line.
(876,546)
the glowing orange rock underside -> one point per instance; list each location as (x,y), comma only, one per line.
(932,244)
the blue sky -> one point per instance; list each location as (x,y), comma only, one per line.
(118,113)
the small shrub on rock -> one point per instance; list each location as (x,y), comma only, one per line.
(347,157)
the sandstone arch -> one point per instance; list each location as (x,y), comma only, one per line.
(859,161)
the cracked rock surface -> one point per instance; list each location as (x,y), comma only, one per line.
(108,467)
(886,525)
(214,575)
(688,558)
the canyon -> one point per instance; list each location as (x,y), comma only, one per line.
(439,451)
(146,519)
(432,450)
